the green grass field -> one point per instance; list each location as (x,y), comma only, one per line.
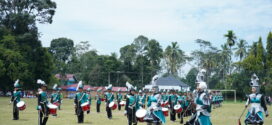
(226,115)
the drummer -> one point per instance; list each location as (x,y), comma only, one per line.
(154,109)
(15,98)
(165,98)
(172,101)
(109,98)
(61,97)
(132,105)
(55,97)
(42,103)
(98,100)
(119,97)
(142,98)
(88,93)
(80,98)
(180,102)
(202,100)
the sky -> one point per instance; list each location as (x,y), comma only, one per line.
(111,24)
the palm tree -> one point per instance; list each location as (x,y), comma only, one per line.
(241,49)
(174,58)
(231,38)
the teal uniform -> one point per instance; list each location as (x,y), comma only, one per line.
(141,100)
(257,107)
(80,98)
(157,113)
(15,98)
(119,97)
(42,105)
(98,99)
(109,99)
(98,103)
(203,116)
(55,97)
(89,96)
(132,106)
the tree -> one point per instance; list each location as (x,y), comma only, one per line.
(241,49)
(62,50)
(231,38)
(269,51)
(154,54)
(174,58)
(191,77)
(12,64)
(20,16)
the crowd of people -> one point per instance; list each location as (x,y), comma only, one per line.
(142,105)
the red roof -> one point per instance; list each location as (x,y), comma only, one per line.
(94,88)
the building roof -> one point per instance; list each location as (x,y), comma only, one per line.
(170,81)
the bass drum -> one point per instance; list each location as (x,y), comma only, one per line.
(21,105)
(178,108)
(113,105)
(52,109)
(140,114)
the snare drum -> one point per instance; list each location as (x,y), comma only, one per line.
(85,106)
(140,114)
(21,105)
(122,103)
(52,109)
(113,105)
(178,108)
(165,111)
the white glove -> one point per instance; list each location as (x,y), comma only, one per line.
(125,112)
(10,102)
(39,107)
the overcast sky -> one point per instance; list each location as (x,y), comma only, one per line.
(111,24)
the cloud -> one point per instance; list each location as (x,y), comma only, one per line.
(111,24)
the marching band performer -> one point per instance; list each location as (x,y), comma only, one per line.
(88,93)
(80,98)
(98,100)
(155,114)
(142,98)
(155,110)
(109,98)
(119,97)
(61,97)
(203,105)
(172,102)
(132,105)
(181,102)
(42,103)
(257,104)
(55,97)
(15,98)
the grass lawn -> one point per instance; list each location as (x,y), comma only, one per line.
(226,115)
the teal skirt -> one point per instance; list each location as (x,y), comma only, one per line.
(204,120)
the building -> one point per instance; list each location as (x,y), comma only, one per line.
(169,82)
(68,79)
